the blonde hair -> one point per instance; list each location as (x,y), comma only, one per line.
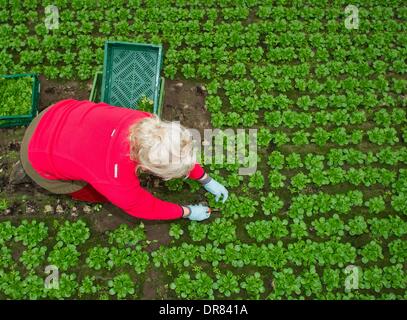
(164,148)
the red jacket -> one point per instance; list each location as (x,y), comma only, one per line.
(82,140)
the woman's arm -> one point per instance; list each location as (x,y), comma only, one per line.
(197,172)
(138,202)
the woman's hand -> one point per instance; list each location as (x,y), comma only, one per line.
(196,212)
(215,188)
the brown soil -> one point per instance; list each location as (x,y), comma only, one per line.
(153,283)
(53,91)
(109,218)
(184,101)
(158,233)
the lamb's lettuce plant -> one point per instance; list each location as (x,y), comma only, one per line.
(271,204)
(64,256)
(97,257)
(16,96)
(88,286)
(176,231)
(371,252)
(74,233)
(33,257)
(256,181)
(7,231)
(356,226)
(32,287)
(227,283)
(254,285)
(67,287)
(124,236)
(139,260)
(222,231)
(31,233)
(121,286)
(199,287)
(398,251)
(6,258)
(197,230)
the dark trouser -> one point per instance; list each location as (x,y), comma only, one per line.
(79,190)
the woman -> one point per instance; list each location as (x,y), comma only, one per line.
(92,151)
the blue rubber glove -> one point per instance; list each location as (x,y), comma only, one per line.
(198,212)
(217,190)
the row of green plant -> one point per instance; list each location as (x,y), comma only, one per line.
(285,283)
(276,256)
(23,278)
(14,285)
(276,228)
(338,157)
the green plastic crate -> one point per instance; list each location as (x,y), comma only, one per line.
(131,71)
(23,119)
(161,99)
(95,94)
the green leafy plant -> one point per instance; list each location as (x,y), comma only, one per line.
(7,231)
(276,160)
(121,286)
(198,231)
(124,236)
(256,181)
(371,252)
(16,96)
(271,203)
(64,256)
(88,286)
(254,285)
(145,104)
(176,231)
(329,227)
(139,260)
(32,258)
(376,204)
(298,229)
(221,231)
(67,287)
(227,283)
(97,257)
(3,204)
(293,161)
(6,258)
(276,179)
(74,233)
(200,287)
(357,226)
(398,251)
(31,233)
(32,287)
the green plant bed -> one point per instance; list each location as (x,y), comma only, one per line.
(19,96)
